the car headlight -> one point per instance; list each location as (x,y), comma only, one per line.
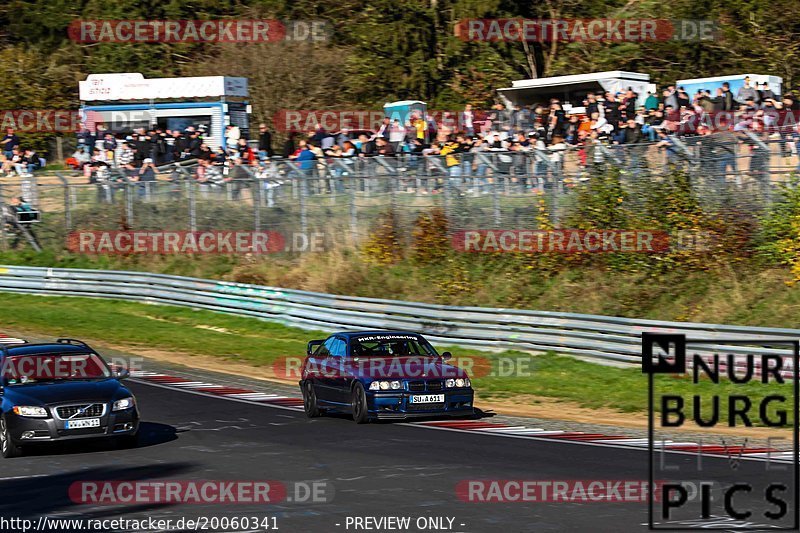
(30,410)
(125,403)
(450,383)
(385,385)
(457,383)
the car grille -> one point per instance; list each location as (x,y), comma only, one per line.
(435,386)
(420,386)
(70,411)
(82,431)
(416,386)
(425,407)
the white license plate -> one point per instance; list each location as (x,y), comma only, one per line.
(83,423)
(427,398)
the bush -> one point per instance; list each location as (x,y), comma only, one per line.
(778,241)
(383,246)
(430,237)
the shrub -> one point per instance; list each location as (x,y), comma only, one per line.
(383,246)
(430,237)
(778,241)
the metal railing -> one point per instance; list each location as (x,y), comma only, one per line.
(343,198)
(602,338)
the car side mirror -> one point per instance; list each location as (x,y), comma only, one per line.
(446,356)
(312,346)
(122,373)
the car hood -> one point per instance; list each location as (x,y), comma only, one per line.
(62,392)
(413,367)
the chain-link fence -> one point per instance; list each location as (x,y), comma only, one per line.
(343,198)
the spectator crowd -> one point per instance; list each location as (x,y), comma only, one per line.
(523,140)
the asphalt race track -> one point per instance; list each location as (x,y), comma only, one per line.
(379,469)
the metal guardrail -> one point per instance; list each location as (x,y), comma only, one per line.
(604,338)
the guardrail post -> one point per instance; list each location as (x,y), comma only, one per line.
(257,193)
(3,213)
(129,192)
(353,216)
(446,193)
(495,202)
(303,198)
(192,205)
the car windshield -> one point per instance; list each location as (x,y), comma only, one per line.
(50,368)
(391,347)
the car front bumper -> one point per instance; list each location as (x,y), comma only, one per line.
(28,430)
(397,405)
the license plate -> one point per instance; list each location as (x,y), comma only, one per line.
(427,398)
(83,423)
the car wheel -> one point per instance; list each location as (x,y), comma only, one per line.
(7,446)
(310,400)
(358,403)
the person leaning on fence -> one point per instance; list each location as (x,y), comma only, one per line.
(668,145)
(449,150)
(264,142)
(125,156)
(558,150)
(109,146)
(384,148)
(759,156)
(725,143)
(304,159)
(397,135)
(366,146)
(205,152)
(145,176)
(337,152)
(237,178)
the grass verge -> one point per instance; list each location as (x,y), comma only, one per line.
(259,343)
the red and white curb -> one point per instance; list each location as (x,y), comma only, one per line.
(235,393)
(5,339)
(478,427)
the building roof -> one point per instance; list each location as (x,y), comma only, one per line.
(134,86)
(578,79)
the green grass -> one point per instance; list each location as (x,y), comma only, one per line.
(259,343)
(167,328)
(747,295)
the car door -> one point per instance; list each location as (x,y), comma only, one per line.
(321,376)
(339,372)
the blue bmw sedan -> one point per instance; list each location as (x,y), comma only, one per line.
(382,375)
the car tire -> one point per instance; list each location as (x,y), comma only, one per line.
(7,446)
(310,400)
(358,404)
